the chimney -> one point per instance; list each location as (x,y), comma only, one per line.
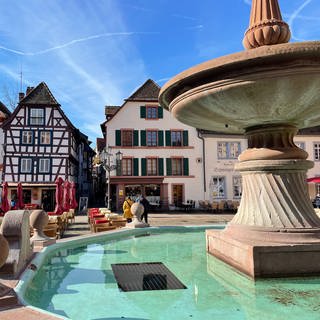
(21,96)
(28,90)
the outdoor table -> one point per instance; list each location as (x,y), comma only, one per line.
(186,206)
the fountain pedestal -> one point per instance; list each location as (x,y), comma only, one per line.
(276,231)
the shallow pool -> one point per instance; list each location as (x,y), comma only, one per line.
(78,283)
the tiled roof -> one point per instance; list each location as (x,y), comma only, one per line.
(149,91)
(111,110)
(40,95)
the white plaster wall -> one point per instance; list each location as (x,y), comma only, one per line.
(309,141)
(128,117)
(221,167)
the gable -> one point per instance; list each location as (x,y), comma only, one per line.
(40,95)
(149,91)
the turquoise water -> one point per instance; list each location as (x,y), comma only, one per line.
(79,284)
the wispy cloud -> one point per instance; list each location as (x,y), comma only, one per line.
(294,16)
(163,79)
(198,27)
(176,15)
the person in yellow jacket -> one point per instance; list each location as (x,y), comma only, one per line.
(127,209)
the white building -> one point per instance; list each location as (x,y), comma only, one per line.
(221,151)
(162,158)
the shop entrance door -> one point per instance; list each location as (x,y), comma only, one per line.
(48,199)
(133,191)
(177,194)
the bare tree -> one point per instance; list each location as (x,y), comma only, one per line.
(10,96)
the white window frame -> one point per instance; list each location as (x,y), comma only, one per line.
(316,151)
(218,187)
(237,186)
(174,135)
(27,137)
(44,165)
(26,165)
(126,166)
(152,166)
(228,149)
(36,116)
(152,138)
(45,135)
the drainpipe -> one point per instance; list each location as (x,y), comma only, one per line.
(203,162)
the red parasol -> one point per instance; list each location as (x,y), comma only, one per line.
(59,196)
(4,198)
(314,180)
(73,200)
(66,195)
(20,203)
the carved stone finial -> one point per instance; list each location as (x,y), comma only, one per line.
(266,25)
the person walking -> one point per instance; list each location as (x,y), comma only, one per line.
(317,201)
(146,206)
(127,209)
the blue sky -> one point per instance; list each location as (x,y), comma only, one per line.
(97,52)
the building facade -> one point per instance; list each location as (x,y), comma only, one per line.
(161,156)
(4,114)
(223,182)
(41,144)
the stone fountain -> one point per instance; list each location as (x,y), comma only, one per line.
(266,92)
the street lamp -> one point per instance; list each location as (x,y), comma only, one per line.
(108,164)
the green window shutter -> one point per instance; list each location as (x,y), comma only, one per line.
(135,166)
(185,138)
(143,166)
(169,167)
(143,112)
(135,137)
(160,138)
(160,112)
(168,138)
(160,166)
(143,138)
(118,137)
(185,166)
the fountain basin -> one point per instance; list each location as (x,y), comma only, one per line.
(266,85)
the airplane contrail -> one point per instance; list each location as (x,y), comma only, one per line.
(294,16)
(72,42)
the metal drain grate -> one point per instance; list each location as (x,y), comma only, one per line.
(145,276)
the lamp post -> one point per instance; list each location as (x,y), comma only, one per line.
(108,164)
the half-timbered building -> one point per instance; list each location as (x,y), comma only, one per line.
(41,145)
(4,114)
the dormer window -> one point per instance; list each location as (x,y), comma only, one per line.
(36,116)
(152,112)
